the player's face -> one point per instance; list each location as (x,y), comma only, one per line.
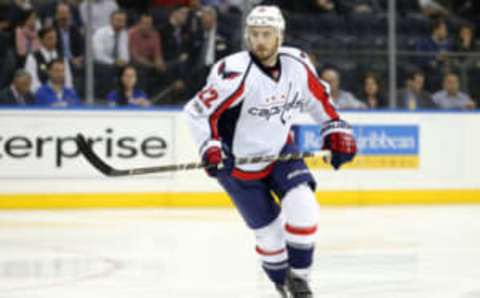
(263,42)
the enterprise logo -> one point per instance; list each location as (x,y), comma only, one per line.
(63,147)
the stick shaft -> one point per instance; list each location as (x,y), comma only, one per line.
(85,148)
(240,161)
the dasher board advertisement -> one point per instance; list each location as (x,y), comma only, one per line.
(36,145)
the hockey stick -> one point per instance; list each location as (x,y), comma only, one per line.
(85,148)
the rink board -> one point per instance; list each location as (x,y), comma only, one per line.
(208,200)
(404,158)
(380,146)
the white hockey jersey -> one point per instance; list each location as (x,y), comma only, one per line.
(245,108)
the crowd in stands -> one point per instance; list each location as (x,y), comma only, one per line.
(158,52)
(145,52)
(348,39)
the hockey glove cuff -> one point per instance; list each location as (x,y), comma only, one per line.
(338,138)
(212,156)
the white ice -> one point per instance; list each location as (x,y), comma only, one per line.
(404,252)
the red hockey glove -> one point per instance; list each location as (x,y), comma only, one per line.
(212,157)
(338,138)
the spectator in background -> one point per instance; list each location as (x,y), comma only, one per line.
(436,48)
(47,11)
(465,43)
(55,93)
(146,54)
(213,45)
(342,99)
(145,45)
(465,40)
(176,42)
(110,47)
(101,10)
(26,37)
(413,96)
(208,47)
(205,40)
(451,97)
(127,93)
(37,61)
(17,11)
(437,44)
(18,93)
(110,43)
(70,43)
(371,94)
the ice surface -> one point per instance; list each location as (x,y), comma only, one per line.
(372,252)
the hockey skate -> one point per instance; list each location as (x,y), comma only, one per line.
(298,287)
(282,290)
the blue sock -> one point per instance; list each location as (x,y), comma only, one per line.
(277,272)
(300,256)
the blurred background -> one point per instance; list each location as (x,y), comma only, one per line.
(377,54)
(405,73)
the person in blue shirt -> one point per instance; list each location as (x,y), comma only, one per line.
(127,94)
(437,45)
(433,58)
(54,93)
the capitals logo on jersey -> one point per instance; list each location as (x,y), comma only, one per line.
(227,75)
(278,105)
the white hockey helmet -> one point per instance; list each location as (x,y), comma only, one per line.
(266,16)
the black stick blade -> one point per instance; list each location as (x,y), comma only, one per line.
(85,148)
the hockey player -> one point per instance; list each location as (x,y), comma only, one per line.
(245,110)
